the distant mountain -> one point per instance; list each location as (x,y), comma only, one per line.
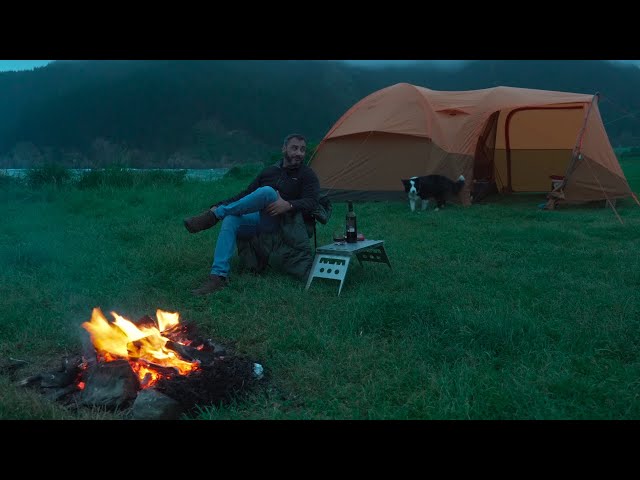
(202,114)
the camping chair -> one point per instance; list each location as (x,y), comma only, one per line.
(289,243)
(322,214)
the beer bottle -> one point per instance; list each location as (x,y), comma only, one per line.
(351,232)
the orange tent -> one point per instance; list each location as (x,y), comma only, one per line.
(517,138)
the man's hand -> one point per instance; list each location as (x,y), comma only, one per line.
(278,207)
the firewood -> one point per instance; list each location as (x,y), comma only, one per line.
(57,379)
(218,349)
(145,380)
(145,321)
(16,361)
(62,392)
(162,370)
(191,354)
(29,381)
(71,363)
(88,351)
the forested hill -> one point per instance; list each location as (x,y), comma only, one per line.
(203,114)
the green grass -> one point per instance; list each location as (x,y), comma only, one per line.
(497,311)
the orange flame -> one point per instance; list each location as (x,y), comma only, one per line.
(123,339)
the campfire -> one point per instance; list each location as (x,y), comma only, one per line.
(151,348)
(157,368)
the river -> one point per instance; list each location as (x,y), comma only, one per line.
(195,174)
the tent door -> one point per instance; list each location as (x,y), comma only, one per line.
(539,161)
(483,163)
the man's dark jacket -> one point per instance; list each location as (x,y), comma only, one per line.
(300,186)
(288,248)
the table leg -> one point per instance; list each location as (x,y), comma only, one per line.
(383,254)
(329,266)
(313,269)
(372,255)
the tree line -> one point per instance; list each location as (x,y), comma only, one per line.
(206,114)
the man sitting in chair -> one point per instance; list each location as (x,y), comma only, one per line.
(278,191)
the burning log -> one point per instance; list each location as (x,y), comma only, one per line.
(186,333)
(71,363)
(88,351)
(147,380)
(163,371)
(191,354)
(176,332)
(145,321)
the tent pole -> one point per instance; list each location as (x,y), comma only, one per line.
(615,211)
(607,196)
(576,154)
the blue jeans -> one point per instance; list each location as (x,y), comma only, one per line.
(242,219)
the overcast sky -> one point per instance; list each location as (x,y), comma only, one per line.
(6,65)
(30,64)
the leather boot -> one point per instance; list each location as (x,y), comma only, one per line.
(212,284)
(200,222)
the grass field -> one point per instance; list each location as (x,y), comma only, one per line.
(497,311)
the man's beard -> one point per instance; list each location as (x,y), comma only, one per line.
(294,166)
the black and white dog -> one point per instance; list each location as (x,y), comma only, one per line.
(437,187)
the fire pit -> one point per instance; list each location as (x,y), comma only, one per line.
(155,368)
